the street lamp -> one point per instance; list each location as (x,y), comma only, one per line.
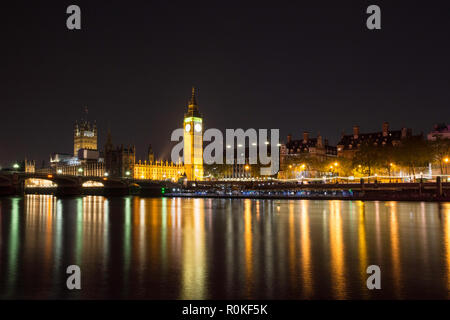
(106,174)
(59,171)
(127,173)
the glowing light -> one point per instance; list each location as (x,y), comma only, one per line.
(198,127)
(188,127)
(446,160)
(190,119)
(106,174)
(59,171)
(50,176)
(80,169)
(127,173)
(247,167)
(16,166)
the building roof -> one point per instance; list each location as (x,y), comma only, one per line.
(350,142)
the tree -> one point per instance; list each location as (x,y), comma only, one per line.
(440,150)
(367,157)
(414,152)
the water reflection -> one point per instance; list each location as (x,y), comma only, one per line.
(176,248)
(445,214)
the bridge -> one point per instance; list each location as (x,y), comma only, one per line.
(12,183)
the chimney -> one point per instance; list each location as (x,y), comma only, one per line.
(289,138)
(355,132)
(385,129)
(305,136)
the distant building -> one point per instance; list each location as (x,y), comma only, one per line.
(119,161)
(349,144)
(295,152)
(85,160)
(317,147)
(84,136)
(439,130)
(157,170)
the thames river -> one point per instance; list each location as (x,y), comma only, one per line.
(186,248)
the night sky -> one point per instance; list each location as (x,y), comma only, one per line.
(311,66)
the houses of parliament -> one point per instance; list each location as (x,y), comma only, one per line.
(120,161)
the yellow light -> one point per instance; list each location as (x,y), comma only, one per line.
(290,166)
(50,176)
(446,160)
(336,164)
(391,164)
(193,119)
(247,167)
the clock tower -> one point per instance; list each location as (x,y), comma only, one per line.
(193,140)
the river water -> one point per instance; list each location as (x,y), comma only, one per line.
(186,248)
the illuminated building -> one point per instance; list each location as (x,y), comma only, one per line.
(295,153)
(84,136)
(193,140)
(159,170)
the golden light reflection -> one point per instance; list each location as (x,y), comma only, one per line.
(194,251)
(395,245)
(445,211)
(248,244)
(362,245)
(337,250)
(305,243)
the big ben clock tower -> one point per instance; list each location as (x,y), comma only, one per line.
(193,140)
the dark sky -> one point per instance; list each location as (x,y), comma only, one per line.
(310,66)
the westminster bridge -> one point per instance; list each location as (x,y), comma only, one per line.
(13,183)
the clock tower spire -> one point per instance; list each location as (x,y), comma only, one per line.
(193,139)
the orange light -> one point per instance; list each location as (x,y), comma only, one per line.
(446,160)
(336,164)
(50,176)
(105,178)
(247,167)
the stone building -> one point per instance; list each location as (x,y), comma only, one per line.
(349,144)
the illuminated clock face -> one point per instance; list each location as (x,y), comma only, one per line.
(198,127)
(188,127)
